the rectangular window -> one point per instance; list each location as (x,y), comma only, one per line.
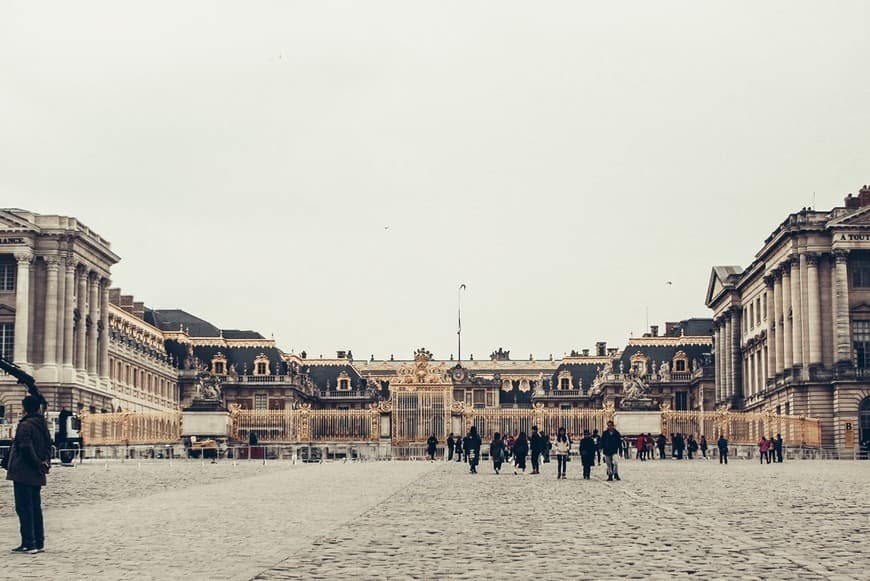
(7,340)
(860,274)
(681,401)
(260,401)
(479,398)
(861,343)
(7,276)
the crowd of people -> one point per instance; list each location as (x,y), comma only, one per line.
(537,447)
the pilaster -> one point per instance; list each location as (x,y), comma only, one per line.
(842,332)
(814,311)
(22,307)
(49,350)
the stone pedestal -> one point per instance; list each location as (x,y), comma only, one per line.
(638,422)
(205,419)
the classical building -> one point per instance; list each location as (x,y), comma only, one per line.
(92,348)
(792,329)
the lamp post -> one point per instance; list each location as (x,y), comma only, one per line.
(459,322)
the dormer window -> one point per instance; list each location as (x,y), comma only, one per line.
(681,362)
(219,364)
(343,381)
(261,365)
(565,379)
(639,364)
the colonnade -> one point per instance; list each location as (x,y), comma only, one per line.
(75,318)
(794,332)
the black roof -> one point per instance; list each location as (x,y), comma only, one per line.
(326,376)
(173,319)
(696,327)
(663,352)
(587,372)
(240,357)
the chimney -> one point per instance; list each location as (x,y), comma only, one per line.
(115,296)
(585,352)
(654,330)
(864,197)
(341,354)
(851,202)
(670,329)
(139,310)
(601,348)
(612,351)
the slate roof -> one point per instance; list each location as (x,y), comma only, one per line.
(659,353)
(697,327)
(241,357)
(326,376)
(173,319)
(587,372)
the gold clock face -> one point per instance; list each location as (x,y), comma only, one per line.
(458,374)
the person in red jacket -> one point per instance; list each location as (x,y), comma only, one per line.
(28,462)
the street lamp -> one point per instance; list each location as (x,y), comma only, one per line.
(459,321)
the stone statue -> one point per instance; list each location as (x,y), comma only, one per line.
(633,388)
(208,387)
(620,368)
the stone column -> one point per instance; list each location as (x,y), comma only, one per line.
(22,307)
(49,344)
(717,362)
(796,315)
(61,312)
(787,350)
(104,328)
(726,360)
(93,315)
(69,288)
(81,330)
(777,345)
(805,313)
(770,309)
(736,366)
(814,310)
(842,332)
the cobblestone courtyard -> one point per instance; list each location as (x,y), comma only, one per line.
(194,520)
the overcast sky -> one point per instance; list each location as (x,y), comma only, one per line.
(331,172)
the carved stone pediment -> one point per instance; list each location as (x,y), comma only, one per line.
(422,374)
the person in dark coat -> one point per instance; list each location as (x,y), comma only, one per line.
(587,454)
(703,445)
(521,450)
(692,446)
(777,448)
(497,452)
(457,446)
(610,442)
(472,449)
(449,445)
(548,447)
(660,443)
(432,447)
(27,464)
(679,445)
(597,440)
(722,443)
(536,445)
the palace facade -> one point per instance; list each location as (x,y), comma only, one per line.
(92,348)
(792,329)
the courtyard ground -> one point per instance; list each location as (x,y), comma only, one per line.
(246,520)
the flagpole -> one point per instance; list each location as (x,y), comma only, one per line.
(459,321)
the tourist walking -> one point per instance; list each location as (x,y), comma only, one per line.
(472,449)
(27,463)
(597,439)
(457,447)
(449,445)
(704,447)
(777,448)
(610,442)
(722,444)
(432,447)
(497,452)
(641,448)
(536,445)
(692,446)
(563,448)
(509,448)
(679,445)
(649,442)
(521,450)
(548,447)
(661,441)
(587,454)
(763,450)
